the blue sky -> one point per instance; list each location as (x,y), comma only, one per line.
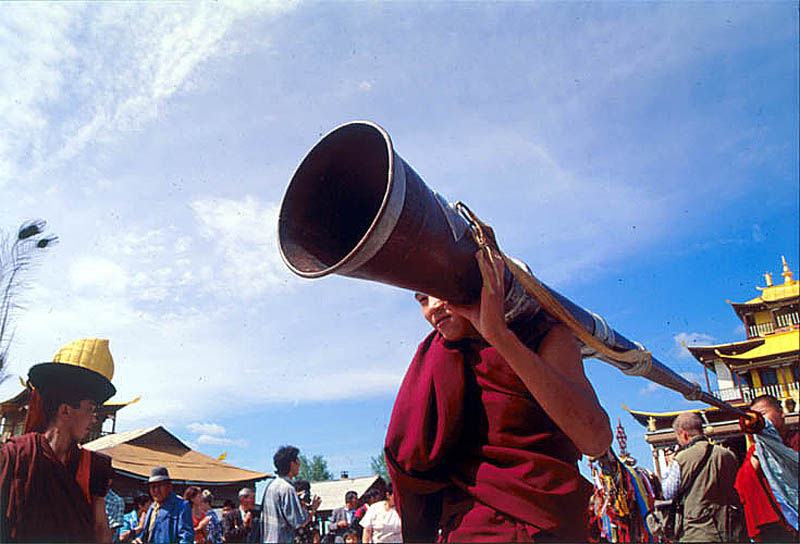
(642,158)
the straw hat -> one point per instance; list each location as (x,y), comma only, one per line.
(82,369)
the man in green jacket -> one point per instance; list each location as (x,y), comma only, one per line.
(701,479)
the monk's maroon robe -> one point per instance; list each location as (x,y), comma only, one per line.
(471,451)
(761,511)
(41,499)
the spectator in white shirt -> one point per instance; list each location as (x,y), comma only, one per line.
(381,523)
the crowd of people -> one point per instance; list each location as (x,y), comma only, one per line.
(716,498)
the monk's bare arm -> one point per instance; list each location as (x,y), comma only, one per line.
(102,532)
(555,377)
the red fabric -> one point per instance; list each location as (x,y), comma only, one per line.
(40,499)
(465,433)
(199,534)
(792,440)
(756,496)
(35,421)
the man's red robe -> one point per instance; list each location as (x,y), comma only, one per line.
(471,451)
(44,500)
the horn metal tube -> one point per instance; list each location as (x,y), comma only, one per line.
(354,207)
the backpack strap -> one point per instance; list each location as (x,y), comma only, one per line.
(695,472)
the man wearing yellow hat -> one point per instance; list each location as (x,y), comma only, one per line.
(51,490)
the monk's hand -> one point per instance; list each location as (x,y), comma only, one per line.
(488,316)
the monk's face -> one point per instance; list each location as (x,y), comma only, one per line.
(450,325)
(770,412)
(81,418)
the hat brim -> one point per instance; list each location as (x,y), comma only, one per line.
(74,382)
(154,479)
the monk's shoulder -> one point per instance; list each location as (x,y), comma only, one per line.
(18,452)
(25,443)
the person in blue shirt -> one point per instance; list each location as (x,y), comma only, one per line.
(169,518)
(134,520)
(282,512)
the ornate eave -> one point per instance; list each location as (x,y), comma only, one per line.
(706,355)
(662,421)
(21,399)
(776,348)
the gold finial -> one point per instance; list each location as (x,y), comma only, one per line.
(787,274)
(768,279)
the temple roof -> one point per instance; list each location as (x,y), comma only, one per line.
(135,453)
(706,354)
(781,344)
(21,399)
(663,420)
(778,344)
(772,295)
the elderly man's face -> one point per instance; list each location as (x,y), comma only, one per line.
(247,500)
(160,490)
(775,415)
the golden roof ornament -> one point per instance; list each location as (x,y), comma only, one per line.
(768,279)
(787,274)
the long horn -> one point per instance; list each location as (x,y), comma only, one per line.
(354,207)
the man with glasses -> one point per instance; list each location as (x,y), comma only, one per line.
(51,490)
(282,512)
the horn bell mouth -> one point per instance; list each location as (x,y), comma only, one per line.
(336,200)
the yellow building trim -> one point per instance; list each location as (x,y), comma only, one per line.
(777,292)
(774,344)
(756,378)
(781,373)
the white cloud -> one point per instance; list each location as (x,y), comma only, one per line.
(220,441)
(650,387)
(207,428)
(696,377)
(244,232)
(98,273)
(138,57)
(690,339)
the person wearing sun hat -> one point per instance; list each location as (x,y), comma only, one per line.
(51,490)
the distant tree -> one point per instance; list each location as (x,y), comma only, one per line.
(16,255)
(315,470)
(378,466)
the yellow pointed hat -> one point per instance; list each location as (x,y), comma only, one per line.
(91,353)
(82,369)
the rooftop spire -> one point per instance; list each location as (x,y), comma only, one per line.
(768,279)
(787,274)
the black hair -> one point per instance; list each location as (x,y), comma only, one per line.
(51,402)
(350,495)
(140,500)
(302,485)
(389,489)
(283,459)
(227,503)
(769,399)
(371,494)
